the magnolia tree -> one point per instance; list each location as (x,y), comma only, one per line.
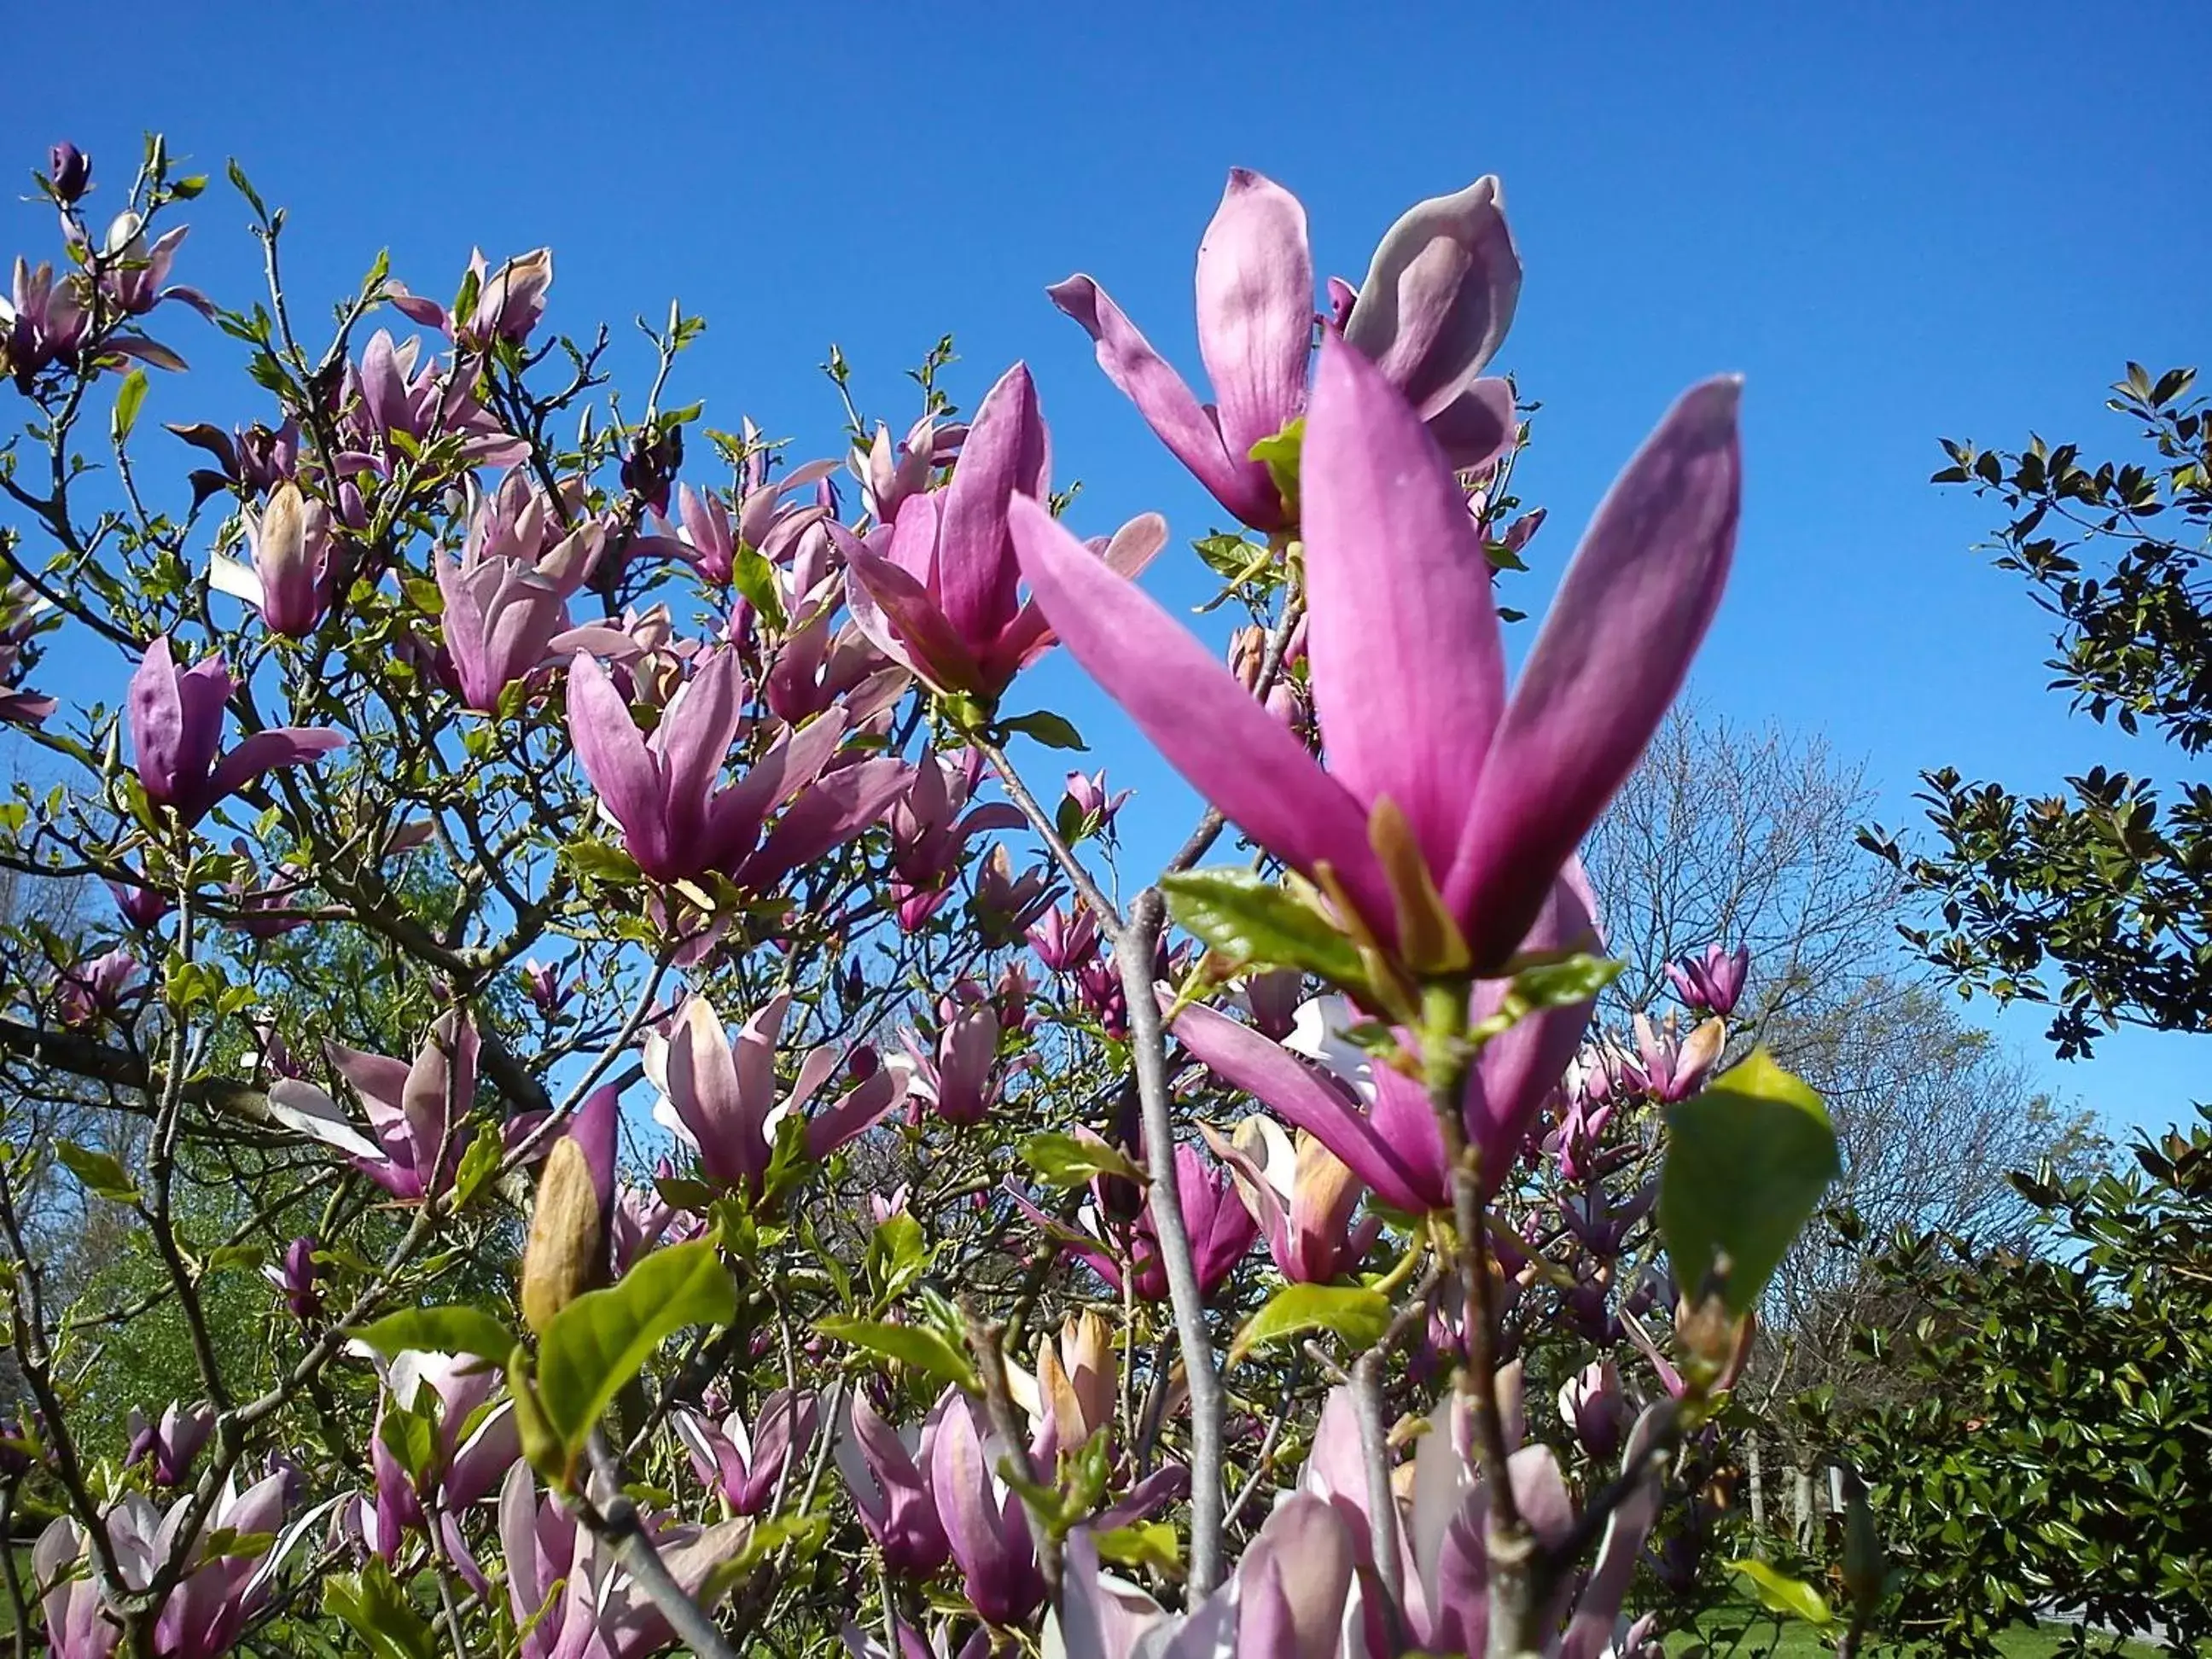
(736,1163)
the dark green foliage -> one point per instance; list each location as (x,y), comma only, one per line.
(2097,901)
(2051,1442)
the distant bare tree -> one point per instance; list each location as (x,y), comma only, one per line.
(1746,836)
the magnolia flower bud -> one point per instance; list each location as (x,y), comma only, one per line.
(70,169)
(563,1256)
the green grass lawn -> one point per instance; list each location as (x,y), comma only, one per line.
(1795,1640)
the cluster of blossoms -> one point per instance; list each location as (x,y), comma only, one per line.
(957,1134)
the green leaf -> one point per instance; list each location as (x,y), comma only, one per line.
(1357,1313)
(102,1176)
(1281,454)
(1064,1160)
(1746,1162)
(599,1342)
(1780,1593)
(897,1256)
(925,1350)
(1048,728)
(224,1257)
(1148,1544)
(597,861)
(477,1165)
(752,575)
(378,1612)
(1254,923)
(128,398)
(456,1330)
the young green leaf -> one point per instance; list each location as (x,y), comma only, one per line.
(455,1329)
(1355,1312)
(103,1175)
(1065,1160)
(910,1345)
(1780,1593)
(1254,923)
(599,1342)
(1746,1162)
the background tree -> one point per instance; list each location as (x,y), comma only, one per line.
(2095,901)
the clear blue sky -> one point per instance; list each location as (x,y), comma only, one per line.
(1899,221)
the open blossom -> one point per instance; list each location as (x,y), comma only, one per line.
(137,277)
(289,580)
(295,1278)
(407,1107)
(985,1522)
(250,461)
(1066,937)
(91,991)
(1220,1230)
(509,301)
(1438,298)
(1093,803)
(678,820)
(955,1079)
(396,400)
(1377,1119)
(888,1473)
(939,591)
(1447,811)
(1302,1194)
(25,613)
(566,1589)
(1714,981)
(933,822)
(723,1098)
(205,1615)
(474,1443)
(176,726)
(167,1448)
(890,473)
(746,1462)
(1669,1068)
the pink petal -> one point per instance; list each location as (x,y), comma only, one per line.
(1196,714)
(1630,615)
(1439,294)
(1190,431)
(1255,308)
(1407,673)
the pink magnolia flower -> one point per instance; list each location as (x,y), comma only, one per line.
(746,1462)
(1378,1120)
(207,1611)
(288,580)
(723,1099)
(889,1474)
(474,1443)
(1438,298)
(167,1448)
(1408,674)
(176,724)
(933,822)
(1714,981)
(566,1590)
(890,473)
(90,992)
(418,1146)
(986,1522)
(955,1079)
(1302,1194)
(940,591)
(1066,937)
(1220,1228)
(678,820)
(1672,1068)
